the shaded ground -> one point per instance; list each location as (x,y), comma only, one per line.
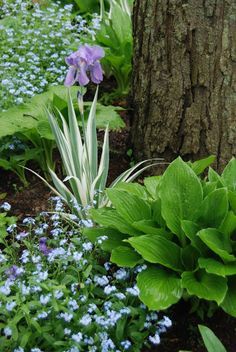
(184,335)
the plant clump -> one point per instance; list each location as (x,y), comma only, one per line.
(58,292)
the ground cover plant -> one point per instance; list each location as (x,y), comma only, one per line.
(58,292)
(169,225)
(34,43)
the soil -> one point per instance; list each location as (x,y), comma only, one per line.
(183,335)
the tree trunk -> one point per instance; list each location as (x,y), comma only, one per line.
(184,79)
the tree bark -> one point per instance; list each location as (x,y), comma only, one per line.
(184,79)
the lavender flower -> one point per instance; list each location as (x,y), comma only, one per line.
(85,59)
(13,272)
(43,246)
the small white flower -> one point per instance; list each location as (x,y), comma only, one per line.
(77,256)
(7,331)
(44,299)
(72,304)
(10,306)
(6,206)
(126,344)
(119,295)
(134,291)
(19,349)
(86,320)
(77,337)
(58,294)
(155,339)
(66,316)
(42,276)
(67,331)
(5,290)
(109,289)
(121,274)
(42,315)
(88,246)
(125,311)
(166,322)
(101,280)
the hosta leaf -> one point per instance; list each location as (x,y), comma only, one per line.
(129,206)
(211,341)
(228,226)
(232,200)
(133,188)
(150,227)
(208,187)
(189,256)
(214,177)
(110,218)
(125,256)
(216,267)
(156,212)
(191,229)
(200,165)
(109,115)
(181,194)
(151,184)
(206,286)
(210,218)
(159,289)
(45,130)
(157,249)
(217,242)
(229,303)
(229,175)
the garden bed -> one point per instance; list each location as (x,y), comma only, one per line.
(183,335)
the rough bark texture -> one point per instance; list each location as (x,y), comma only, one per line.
(184,79)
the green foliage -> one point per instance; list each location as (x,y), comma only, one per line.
(115,36)
(183,228)
(91,6)
(79,152)
(211,341)
(30,123)
(32,116)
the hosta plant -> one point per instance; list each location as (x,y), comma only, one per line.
(182,227)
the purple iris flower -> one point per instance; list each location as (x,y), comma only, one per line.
(43,246)
(85,60)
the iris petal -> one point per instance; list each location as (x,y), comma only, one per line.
(96,73)
(70,77)
(85,59)
(82,77)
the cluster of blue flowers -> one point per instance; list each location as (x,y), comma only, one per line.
(54,285)
(34,44)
